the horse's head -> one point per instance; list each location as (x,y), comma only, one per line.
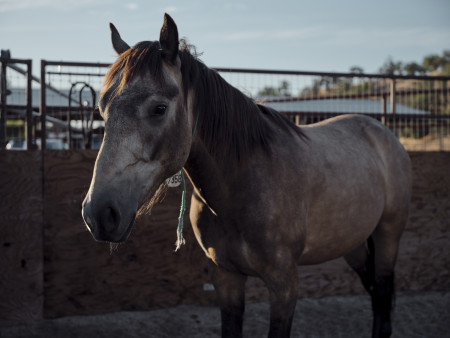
(148,132)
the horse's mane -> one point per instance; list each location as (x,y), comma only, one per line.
(230,124)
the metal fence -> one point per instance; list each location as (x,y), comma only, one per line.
(69,95)
(415,108)
(17,125)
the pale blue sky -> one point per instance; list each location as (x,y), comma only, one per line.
(320,35)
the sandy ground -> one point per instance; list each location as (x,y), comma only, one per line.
(423,314)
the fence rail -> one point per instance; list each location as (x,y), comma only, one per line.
(416,108)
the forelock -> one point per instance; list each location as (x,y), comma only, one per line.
(144,58)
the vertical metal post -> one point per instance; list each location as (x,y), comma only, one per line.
(392,97)
(29,131)
(444,98)
(442,112)
(383,107)
(3,105)
(43,105)
(69,118)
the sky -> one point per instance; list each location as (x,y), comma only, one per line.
(319,35)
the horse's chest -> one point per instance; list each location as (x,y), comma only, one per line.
(222,242)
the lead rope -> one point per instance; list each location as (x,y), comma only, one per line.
(180,239)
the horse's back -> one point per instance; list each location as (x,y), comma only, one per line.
(361,135)
(373,139)
(359,173)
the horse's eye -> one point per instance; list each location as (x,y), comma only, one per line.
(160,110)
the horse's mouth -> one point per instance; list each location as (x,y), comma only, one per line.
(116,237)
(124,236)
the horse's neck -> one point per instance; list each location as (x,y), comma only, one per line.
(207,176)
(231,130)
(230,124)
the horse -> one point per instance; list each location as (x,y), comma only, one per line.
(268,195)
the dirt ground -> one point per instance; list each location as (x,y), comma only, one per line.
(417,314)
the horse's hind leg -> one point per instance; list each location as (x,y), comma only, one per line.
(374,264)
(230,290)
(386,238)
(363,263)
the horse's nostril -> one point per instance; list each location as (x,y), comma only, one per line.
(110,218)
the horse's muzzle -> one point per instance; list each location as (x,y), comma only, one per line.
(106,221)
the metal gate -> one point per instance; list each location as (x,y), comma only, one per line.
(68,96)
(415,108)
(17,125)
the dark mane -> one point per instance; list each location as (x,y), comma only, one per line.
(230,123)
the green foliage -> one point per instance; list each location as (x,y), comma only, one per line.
(413,68)
(430,63)
(390,67)
(282,90)
(356,70)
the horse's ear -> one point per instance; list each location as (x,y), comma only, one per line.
(119,45)
(168,38)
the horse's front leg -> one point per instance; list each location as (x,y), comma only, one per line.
(283,287)
(230,289)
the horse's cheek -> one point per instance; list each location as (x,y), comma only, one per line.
(178,139)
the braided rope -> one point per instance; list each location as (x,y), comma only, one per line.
(180,239)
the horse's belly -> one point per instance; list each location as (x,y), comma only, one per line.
(337,231)
(328,248)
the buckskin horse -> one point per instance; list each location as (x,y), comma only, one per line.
(268,195)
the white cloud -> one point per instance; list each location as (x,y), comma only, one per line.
(426,37)
(245,35)
(18,5)
(131,6)
(236,6)
(282,34)
(22,5)
(393,37)
(171,9)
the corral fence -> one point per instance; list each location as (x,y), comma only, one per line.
(16,120)
(64,114)
(69,93)
(415,108)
